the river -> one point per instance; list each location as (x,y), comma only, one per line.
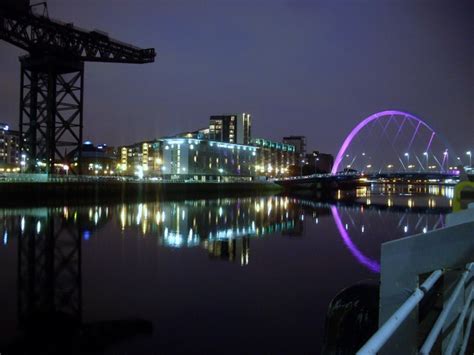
(247,275)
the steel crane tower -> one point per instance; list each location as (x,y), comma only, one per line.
(52,78)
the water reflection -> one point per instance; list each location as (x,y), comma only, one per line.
(50,243)
(361,258)
(49,286)
(224,227)
(189,223)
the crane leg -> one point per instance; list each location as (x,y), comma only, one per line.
(51,113)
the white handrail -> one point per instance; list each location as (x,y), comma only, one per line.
(376,342)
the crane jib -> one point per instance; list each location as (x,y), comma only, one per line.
(51,124)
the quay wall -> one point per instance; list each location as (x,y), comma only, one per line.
(63,193)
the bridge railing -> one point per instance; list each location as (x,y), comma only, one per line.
(447,256)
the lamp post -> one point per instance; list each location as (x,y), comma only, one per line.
(427,163)
(408,159)
(470,158)
(446,159)
(23,163)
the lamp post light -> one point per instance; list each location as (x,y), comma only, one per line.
(408,159)
(427,162)
(23,163)
(446,158)
(470,158)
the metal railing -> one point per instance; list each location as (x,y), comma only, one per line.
(446,252)
(375,343)
(380,338)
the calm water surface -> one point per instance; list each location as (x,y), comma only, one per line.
(249,275)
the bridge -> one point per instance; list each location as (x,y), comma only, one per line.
(388,145)
(342,180)
(395,141)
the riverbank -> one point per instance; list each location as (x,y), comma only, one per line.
(60,193)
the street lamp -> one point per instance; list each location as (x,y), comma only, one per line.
(408,158)
(446,158)
(470,158)
(426,155)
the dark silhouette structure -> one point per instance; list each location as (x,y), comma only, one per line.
(52,78)
(50,287)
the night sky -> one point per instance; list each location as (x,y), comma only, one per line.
(299,67)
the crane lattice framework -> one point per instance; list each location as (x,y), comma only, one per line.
(52,78)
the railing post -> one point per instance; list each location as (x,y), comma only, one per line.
(392,295)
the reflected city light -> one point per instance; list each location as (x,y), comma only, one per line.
(123,216)
(225,226)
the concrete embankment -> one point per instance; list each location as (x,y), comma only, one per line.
(57,193)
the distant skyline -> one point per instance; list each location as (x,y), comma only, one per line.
(300,67)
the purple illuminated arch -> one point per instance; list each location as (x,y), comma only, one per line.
(364,123)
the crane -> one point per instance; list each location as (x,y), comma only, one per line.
(52,78)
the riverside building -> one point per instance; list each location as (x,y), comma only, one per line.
(222,152)
(140,159)
(93,160)
(274,158)
(9,149)
(205,160)
(299,142)
(235,128)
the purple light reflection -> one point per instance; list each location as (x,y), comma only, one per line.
(372,265)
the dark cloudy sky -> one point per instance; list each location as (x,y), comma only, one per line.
(299,67)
